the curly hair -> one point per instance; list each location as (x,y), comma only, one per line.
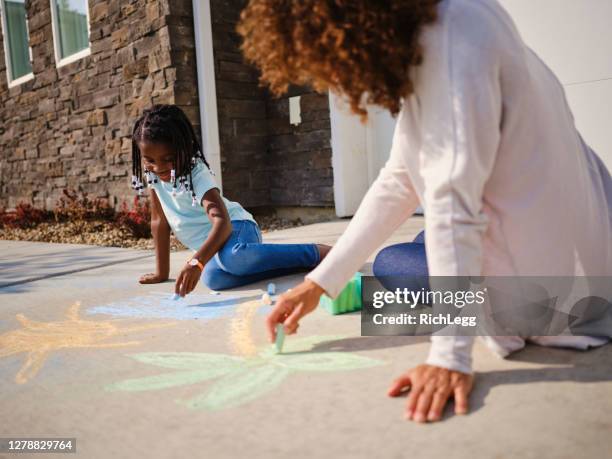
(359,48)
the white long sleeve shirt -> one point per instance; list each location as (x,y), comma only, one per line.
(488,146)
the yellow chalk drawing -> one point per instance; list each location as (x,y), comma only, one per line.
(39,339)
(240,329)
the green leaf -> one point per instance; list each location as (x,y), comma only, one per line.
(239,387)
(214,364)
(162,381)
(325,361)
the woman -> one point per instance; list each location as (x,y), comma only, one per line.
(484,141)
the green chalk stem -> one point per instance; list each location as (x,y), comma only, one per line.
(280,338)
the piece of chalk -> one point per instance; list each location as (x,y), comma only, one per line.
(280,338)
(212,292)
(271,289)
(265,299)
(175,296)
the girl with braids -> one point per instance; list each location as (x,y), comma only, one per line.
(485,142)
(225,239)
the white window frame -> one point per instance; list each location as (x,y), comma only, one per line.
(59,61)
(7,60)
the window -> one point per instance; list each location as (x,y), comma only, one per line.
(16,48)
(70,30)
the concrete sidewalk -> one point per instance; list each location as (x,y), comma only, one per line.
(130,373)
(22,262)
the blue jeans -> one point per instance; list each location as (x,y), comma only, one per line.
(244,259)
(403,265)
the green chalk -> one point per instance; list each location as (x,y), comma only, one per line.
(348,300)
(280,338)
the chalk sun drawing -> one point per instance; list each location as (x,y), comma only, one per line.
(159,305)
(242,378)
(39,339)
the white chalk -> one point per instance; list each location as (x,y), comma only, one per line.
(271,289)
(265,299)
(212,292)
(175,297)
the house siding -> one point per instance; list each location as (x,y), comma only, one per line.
(70,126)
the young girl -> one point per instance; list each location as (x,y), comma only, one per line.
(485,142)
(225,239)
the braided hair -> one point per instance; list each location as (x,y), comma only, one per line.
(169,125)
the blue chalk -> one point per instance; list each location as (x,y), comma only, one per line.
(271,289)
(175,297)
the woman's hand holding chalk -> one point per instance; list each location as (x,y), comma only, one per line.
(292,306)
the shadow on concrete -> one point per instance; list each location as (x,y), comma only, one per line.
(578,366)
(590,366)
(61,265)
(367,343)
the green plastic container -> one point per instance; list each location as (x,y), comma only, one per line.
(348,300)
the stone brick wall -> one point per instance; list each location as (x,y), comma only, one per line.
(265,160)
(299,157)
(241,107)
(70,126)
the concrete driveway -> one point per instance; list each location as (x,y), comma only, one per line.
(87,352)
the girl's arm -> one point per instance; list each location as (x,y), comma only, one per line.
(217,213)
(160,229)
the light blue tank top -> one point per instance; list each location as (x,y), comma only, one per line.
(190,223)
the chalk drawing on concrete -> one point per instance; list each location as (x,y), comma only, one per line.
(243,377)
(39,339)
(239,379)
(159,305)
(241,340)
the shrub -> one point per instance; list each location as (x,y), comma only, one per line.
(72,207)
(24,216)
(137,219)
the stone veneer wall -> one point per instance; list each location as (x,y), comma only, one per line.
(265,160)
(70,126)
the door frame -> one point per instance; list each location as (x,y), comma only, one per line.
(207,93)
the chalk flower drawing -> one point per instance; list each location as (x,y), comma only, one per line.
(39,339)
(240,379)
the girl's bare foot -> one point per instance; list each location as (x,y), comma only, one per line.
(323,251)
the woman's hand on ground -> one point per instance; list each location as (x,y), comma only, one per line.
(430,389)
(292,306)
(152,278)
(187,280)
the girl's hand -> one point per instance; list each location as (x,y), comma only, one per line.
(292,306)
(187,280)
(152,278)
(430,389)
